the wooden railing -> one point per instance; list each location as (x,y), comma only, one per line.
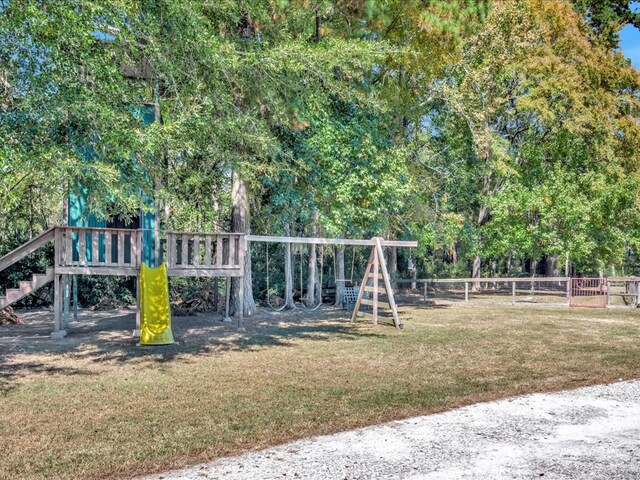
(119,251)
(89,248)
(26,249)
(204,251)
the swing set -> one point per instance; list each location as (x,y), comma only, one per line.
(375,282)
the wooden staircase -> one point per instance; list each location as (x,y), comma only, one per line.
(26,288)
(38,280)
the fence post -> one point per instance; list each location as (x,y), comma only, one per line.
(466,291)
(513,293)
(568,291)
(608,286)
(425,291)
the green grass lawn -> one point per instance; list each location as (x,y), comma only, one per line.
(99,407)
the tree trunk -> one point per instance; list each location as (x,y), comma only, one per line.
(240,223)
(483,217)
(216,228)
(339,275)
(318,296)
(392,262)
(312,267)
(288,272)
(475,273)
(494,271)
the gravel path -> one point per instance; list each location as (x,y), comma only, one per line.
(588,433)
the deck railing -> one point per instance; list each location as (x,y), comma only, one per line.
(89,248)
(119,251)
(202,251)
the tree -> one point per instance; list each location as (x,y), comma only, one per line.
(607,17)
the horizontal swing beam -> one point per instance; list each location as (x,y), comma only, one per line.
(328,241)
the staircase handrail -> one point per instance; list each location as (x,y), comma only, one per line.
(25,249)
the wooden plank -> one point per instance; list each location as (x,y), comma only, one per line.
(126,271)
(205,273)
(387,283)
(196,250)
(133,248)
(207,250)
(232,252)
(82,247)
(374,304)
(108,252)
(139,238)
(95,251)
(120,245)
(170,250)
(371,303)
(381,290)
(327,241)
(27,248)
(219,247)
(185,250)
(68,247)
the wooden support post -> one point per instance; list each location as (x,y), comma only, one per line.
(58,331)
(227,318)
(608,285)
(425,292)
(74,278)
(376,270)
(387,283)
(568,291)
(513,293)
(136,332)
(67,300)
(240,312)
(466,292)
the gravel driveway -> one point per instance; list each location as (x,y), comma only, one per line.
(588,433)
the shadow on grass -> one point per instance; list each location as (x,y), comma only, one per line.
(103,338)
(11,371)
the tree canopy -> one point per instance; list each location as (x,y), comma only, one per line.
(496,133)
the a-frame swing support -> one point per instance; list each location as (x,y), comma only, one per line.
(375,271)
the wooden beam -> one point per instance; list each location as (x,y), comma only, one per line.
(328,241)
(387,283)
(24,250)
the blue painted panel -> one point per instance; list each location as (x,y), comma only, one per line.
(81,216)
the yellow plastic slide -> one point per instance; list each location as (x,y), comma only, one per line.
(155,310)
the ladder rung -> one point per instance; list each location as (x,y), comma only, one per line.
(370,303)
(381,290)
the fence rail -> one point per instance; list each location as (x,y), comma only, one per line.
(577,292)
